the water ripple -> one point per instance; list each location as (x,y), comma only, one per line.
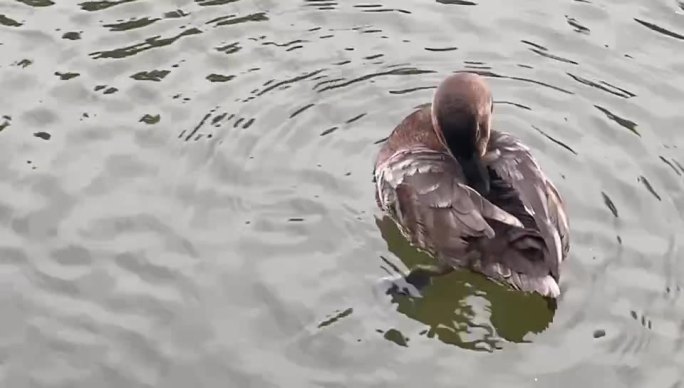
(660,30)
(148,44)
(186,193)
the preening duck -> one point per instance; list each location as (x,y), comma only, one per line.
(472,197)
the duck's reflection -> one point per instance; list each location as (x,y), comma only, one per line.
(464,308)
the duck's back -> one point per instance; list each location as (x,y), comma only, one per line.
(521,188)
(425,191)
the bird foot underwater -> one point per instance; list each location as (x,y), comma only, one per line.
(400,285)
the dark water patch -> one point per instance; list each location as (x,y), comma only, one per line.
(216,121)
(24,63)
(627,93)
(670,165)
(328,131)
(150,119)
(131,24)
(106,90)
(179,13)
(645,322)
(9,22)
(400,71)
(209,3)
(609,203)
(300,110)
(488,73)
(42,135)
(374,56)
(286,44)
(440,49)
(355,118)
(152,75)
(248,123)
(456,2)
(534,45)
(325,82)
(681,168)
(37,3)
(148,44)
(323,5)
(395,336)
(606,87)
(543,51)
(219,77)
(476,66)
(367,6)
(198,126)
(411,90)
(515,104)
(6,120)
(72,35)
(229,48)
(295,219)
(66,76)
(101,5)
(560,143)
(230,20)
(378,8)
(648,186)
(270,85)
(628,124)
(599,333)
(336,317)
(660,30)
(576,25)
(380,141)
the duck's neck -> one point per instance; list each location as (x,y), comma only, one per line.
(474,169)
(475,172)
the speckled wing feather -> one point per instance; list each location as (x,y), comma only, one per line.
(516,166)
(423,190)
(559,218)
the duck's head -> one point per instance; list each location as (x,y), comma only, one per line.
(461,117)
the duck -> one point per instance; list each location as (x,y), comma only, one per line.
(472,197)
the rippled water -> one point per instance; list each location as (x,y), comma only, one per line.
(186,195)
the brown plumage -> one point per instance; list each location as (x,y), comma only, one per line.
(472,197)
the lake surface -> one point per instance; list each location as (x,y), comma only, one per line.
(186,194)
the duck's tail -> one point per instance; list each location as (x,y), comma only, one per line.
(545,285)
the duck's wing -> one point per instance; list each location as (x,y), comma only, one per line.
(559,217)
(516,167)
(423,190)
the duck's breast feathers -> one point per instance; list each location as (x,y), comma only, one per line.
(424,190)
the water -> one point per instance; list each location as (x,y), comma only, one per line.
(186,195)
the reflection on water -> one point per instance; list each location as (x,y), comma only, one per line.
(186,195)
(464,308)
